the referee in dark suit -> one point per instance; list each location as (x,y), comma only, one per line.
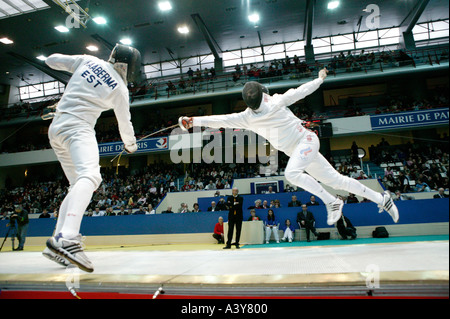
(235,217)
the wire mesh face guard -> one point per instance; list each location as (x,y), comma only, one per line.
(132,58)
(253,94)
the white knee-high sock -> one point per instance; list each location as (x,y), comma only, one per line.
(309,184)
(62,214)
(355,187)
(78,201)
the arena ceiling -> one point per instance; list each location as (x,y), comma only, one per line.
(155,32)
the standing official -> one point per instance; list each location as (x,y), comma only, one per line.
(235,217)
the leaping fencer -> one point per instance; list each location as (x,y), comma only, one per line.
(288,134)
(95,86)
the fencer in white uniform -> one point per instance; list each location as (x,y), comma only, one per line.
(270,117)
(95,86)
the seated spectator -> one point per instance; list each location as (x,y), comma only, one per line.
(351,199)
(276,203)
(168,210)
(345,228)
(97,212)
(312,201)
(221,205)
(258,205)
(288,231)
(183,208)
(218,231)
(289,189)
(306,220)
(213,207)
(388,171)
(196,208)
(44,214)
(440,194)
(210,186)
(294,202)
(400,196)
(421,186)
(270,190)
(150,210)
(362,175)
(265,205)
(122,211)
(253,216)
(271,224)
(140,211)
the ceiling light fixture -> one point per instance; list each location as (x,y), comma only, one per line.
(99,20)
(126,41)
(183,30)
(6,41)
(165,6)
(333,5)
(92,48)
(62,29)
(254,17)
(41,57)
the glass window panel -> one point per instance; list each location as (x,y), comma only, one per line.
(343,47)
(151,68)
(24,93)
(251,52)
(366,44)
(420,28)
(190,62)
(366,36)
(388,41)
(36,90)
(271,49)
(7,8)
(151,75)
(38,3)
(170,72)
(233,62)
(253,59)
(421,36)
(342,39)
(293,46)
(299,53)
(207,59)
(51,88)
(168,65)
(387,33)
(231,55)
(439,34)
(317,43)
(275,56)
(439,25)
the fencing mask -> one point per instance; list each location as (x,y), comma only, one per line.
(253,94)
(127,61)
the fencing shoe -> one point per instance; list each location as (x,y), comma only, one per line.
(47,253)
(72,250)
(388,205)
(334,211)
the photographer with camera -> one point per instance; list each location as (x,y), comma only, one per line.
(21,217)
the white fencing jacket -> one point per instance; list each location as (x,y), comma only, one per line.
(93,88)
(273,120)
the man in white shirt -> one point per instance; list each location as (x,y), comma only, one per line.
(95,86)
(270,117)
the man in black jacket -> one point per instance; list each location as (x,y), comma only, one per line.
(294,202)
(345,228)
(306,220)
(235,217)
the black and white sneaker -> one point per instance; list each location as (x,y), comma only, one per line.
(388,205)
(334,211)
(72,250)
(47,253)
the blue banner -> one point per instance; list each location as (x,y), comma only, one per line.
(410,119)
(145,146)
